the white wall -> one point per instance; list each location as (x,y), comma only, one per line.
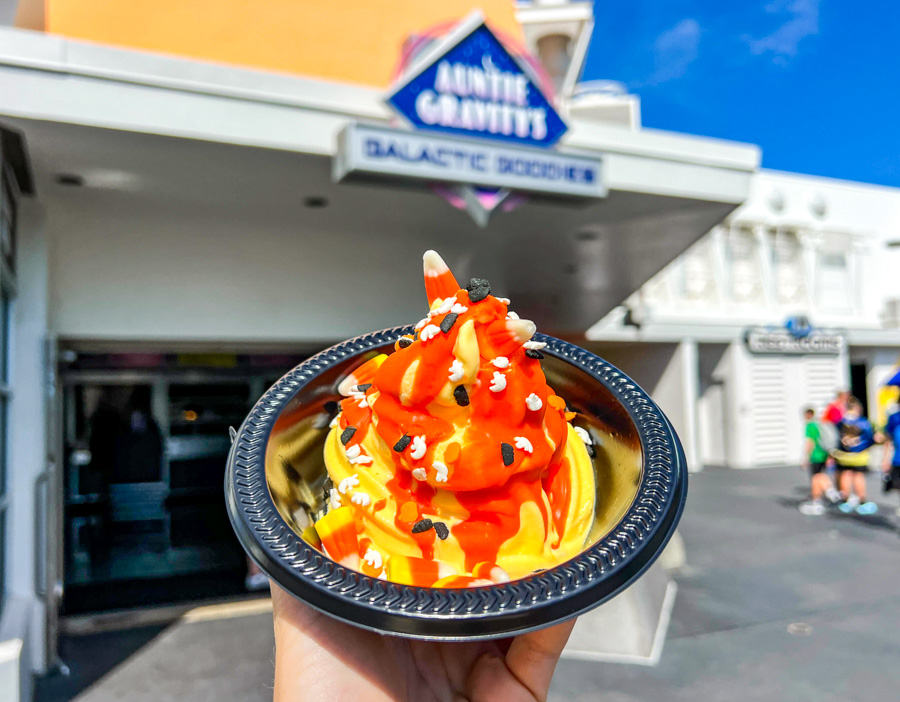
(825,217)
(137,272)
(27,446)
(662,370)
(848,206)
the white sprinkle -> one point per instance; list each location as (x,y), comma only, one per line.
(335,498)
(362,459)
(523,443)
(348,484)
(534,345)
(585,437)
(498,383)
(353,451)
(382,576)
(441,471)
(459,309)
(456,371)
(511,315)
(334,422)
(373,558)
(533,402)
(501,361)
(446,306)
(362,401)
(421,323)
(498,575)
(418,448)
(419,474)
(504,300)
(361,499)
(429,332)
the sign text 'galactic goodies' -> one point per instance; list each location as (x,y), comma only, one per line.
(365,149)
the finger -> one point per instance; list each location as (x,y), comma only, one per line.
(532,658)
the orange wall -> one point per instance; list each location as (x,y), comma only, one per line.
(354,41)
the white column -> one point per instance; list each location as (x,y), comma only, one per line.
(690,371)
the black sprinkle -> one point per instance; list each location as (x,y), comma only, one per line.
(448,322)
(404,341)
(592,452)
(331,407)
(531,353)
(508,453)
(403,443)
(442,531)
(478,289)
(462,397)
(422,525)
(347,434)
(363,387)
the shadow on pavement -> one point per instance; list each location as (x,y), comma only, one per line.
(875,521)
(90,657)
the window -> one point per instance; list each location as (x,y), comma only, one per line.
(745,285)
(833,289)
(7,286)
(698,281)
(788,275)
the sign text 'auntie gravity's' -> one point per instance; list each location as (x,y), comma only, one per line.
(469,84)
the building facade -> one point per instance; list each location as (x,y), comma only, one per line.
(799,247)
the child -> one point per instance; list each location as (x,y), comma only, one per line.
(852,459)
(816,457)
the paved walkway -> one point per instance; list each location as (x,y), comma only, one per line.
(771,606)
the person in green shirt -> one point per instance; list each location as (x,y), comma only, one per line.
(820,484)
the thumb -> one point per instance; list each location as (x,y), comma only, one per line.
(532,658)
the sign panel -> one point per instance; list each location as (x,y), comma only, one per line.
(364,149)
(469,84)
(780,341)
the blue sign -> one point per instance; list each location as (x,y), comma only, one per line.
(471,85)
(799,326)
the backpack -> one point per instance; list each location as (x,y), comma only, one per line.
(829,439)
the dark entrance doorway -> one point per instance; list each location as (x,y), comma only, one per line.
(858,386)
(145,442)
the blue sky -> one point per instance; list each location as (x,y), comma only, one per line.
(816,83)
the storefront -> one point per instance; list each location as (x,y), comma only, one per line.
(197,228)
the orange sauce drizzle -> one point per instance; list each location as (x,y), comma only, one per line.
(489,490)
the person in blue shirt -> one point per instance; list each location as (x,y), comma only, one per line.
(890,464)
(852,459)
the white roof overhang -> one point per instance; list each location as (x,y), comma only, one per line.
(87,106)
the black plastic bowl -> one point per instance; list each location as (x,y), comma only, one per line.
(275,478)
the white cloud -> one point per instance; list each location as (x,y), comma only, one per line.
(674,50)
(801,21)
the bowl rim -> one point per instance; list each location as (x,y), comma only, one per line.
(538,600)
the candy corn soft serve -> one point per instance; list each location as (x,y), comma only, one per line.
(452,463)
